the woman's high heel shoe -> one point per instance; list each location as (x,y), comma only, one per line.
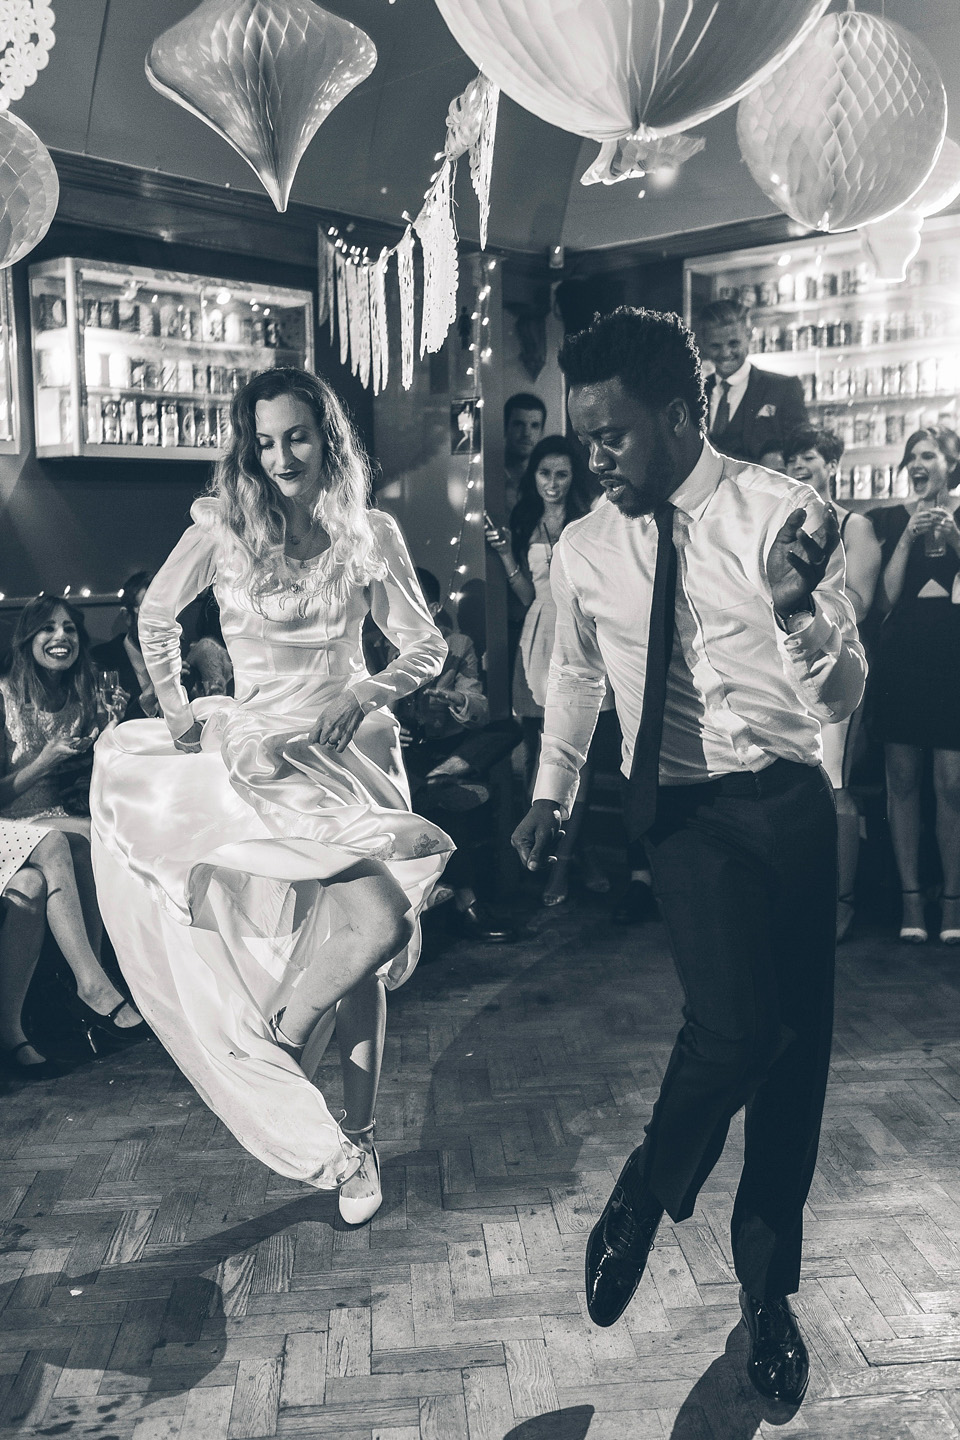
(358,1210)
(45,1070)
(913,934)
(950,935)
(95,1025)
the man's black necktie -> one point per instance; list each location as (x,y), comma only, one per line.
(641,801)
(722,418)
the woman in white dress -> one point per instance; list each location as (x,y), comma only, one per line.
(259,869)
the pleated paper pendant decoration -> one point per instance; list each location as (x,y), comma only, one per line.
(264,74)
(29,189)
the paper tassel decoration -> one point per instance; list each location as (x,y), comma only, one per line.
(472,125)
(26,39)
(438,239)
(405,278)
(845,133)
(343,316)
(379,333)
(326,281)
(631,159)
(264,74)
(892,243)
(29,189)
(618,69)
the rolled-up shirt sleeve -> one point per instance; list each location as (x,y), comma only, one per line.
(575,691)
(825,660)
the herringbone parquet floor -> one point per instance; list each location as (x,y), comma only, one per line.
(159,1283)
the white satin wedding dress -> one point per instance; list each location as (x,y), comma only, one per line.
(210,868)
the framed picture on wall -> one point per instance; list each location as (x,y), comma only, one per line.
(465,427)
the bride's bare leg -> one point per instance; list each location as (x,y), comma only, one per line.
(66,919)
(361,1025)
(378,927)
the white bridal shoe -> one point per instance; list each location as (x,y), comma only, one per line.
(357,1210)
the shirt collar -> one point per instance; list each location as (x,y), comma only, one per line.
(692,495)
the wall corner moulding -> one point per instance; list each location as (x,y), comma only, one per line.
(264,75)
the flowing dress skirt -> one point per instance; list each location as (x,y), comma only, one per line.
(210,873)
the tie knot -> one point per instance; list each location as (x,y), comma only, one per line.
(725,386)
(663,515)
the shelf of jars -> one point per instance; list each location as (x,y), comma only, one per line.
(877,360)
(133,363)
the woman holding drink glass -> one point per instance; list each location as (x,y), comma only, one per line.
(916,672)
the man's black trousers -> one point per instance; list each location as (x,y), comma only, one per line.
(745,870)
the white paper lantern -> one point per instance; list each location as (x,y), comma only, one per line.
(264,74)
(892,243)
(29,189)
(612,69)
(845,132)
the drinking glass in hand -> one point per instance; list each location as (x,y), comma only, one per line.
(112,698)
(934,540)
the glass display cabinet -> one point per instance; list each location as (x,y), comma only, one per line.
(9,402)
(142,364)
(877,359)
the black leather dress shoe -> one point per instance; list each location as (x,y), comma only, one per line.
(635,904)
(619,1245)
(778,1366)
(478,924)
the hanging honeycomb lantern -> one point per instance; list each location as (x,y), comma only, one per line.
(29,189)
(849,127)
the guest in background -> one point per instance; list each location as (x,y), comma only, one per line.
(122,653)
(916,672)
(49,718)
(207,667)
(450,748)
(554,490)
(750,411)
(813,456)
(524,421)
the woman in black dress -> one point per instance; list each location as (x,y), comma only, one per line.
(916,673)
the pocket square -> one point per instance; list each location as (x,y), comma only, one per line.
(766,412)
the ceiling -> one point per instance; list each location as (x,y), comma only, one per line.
(374,154)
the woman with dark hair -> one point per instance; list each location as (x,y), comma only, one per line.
(813,457)
(49,718)
(554,489)
(916,672)
(260,871)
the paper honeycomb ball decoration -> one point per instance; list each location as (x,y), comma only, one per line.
(264,74)
(609,69)
(849,127)
(891,243)
(29,189)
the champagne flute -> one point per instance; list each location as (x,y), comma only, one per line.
(112,698)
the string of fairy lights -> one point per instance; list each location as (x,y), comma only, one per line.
(480,353)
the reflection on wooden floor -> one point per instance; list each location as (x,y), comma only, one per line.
(160,1283)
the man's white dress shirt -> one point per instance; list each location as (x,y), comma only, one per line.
(738,388)
(741,692)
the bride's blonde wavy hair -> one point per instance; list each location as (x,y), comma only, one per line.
(246,506)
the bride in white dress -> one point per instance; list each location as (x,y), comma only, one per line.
(258,867)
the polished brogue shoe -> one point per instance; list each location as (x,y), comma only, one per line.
(619,1245)
(779,1367)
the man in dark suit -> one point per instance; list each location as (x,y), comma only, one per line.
(751,411)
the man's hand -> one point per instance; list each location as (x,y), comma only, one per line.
(797,561)
(338,722)
(535,838)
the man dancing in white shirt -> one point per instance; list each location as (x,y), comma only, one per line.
(726,636)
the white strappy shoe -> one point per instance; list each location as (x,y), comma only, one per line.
(357,1210)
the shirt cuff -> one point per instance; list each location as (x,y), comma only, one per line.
(370,695)
(554,784)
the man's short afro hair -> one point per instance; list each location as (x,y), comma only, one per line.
(651,352)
